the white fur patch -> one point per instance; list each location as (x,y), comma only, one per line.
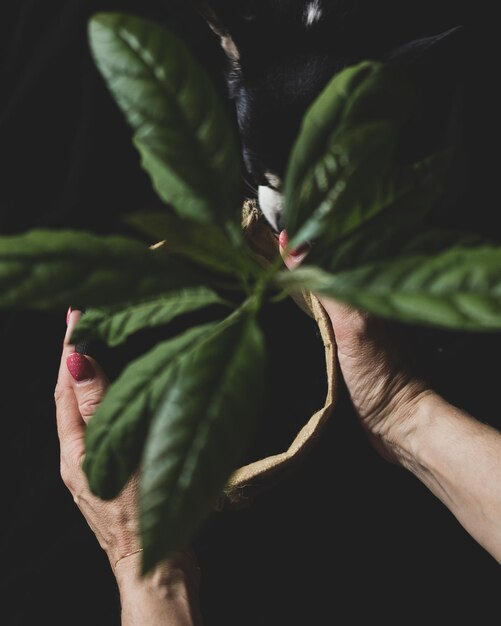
(271,203)
(312,13)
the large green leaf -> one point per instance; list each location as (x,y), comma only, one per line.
(203,244)
(343,190)
(395,208)
(186,141)
(114,324)
(364,94)
(457,288)
(44,269)
(115,437)
(198,435)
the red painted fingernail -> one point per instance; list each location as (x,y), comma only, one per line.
(301,250)
(79,367)
(68,316)
(283,240)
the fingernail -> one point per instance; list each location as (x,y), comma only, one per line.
(79,367)
(68,316)
(301,250)
(283,240)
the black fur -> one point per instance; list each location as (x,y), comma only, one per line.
(278,65)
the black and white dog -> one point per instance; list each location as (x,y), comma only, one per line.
(282,53)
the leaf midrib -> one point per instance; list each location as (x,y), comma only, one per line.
(201,427)
(162,86)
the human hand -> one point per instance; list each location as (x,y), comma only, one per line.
(383,390)
(80,387)
(455,455)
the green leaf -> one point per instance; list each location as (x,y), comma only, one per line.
(114,325)
(358,96)
(44,269)
(115,436)
(396,207)
(186,141)
(203,244)
(457,288)
(439,240)
(198,436)
(344,189)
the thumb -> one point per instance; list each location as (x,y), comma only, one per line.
(351,327)
(292,258)
(87,378)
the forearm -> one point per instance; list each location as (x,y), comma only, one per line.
(168,597)
(459,459)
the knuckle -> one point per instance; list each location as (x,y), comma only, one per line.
(66,476)
(70,469)
(88,405)
(89,398)
(61,394)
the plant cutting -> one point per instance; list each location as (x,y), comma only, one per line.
(183,412)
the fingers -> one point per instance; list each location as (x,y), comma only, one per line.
(351,326)
(80,387)
(70,426)
(83,374)
(292,258)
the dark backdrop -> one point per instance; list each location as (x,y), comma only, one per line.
(348,534)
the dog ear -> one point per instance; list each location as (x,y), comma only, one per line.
(447,46)
(210,15)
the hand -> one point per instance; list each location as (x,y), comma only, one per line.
(170,594)
(77,396)
(456,456)
(383,391)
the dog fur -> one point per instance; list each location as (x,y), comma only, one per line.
(282,53)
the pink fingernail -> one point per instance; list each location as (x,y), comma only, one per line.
(79,367)
(283,240)
(68,316)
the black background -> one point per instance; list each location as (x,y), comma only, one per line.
(349,533)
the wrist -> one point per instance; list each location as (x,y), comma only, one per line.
(457,457)
(176,573)
(169,594)
(409,426)
(405,417)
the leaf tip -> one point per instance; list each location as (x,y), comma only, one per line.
(100,25)
(96,22)
(102,20)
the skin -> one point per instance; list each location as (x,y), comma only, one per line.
(167,597)
(456,456)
